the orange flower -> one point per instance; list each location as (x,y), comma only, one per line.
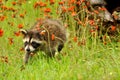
(92,30)
(52,1)
(102,8)
(2,18)
(63,9)
(4,7)
(13,15)
(11,9)
(14,3)
(104,37)
(36,5)
(47,10)
(80,22)
(72,1)
(95,11)
(75,39)
(1,32)
(22,49)
(1,11)
(71,8)
(61,2)
(17,33)
(88,3)
(104,42)
(78,3)
(82,1)
(84,6)
(41,4)
(113,28)
(10,41)
(115,16)
(22,15)
(52,37)
(91,22)
(20,26)
(0,1)
(96,27)
(73,14)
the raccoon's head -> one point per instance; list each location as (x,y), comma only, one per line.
(32,40)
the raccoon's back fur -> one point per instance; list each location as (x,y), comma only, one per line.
(47,35)
(53,34)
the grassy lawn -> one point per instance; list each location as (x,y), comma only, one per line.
(83,58)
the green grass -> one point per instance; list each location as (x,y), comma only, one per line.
(90,61)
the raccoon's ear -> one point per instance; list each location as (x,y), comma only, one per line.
(23,31)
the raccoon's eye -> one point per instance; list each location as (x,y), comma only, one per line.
(35,45)
(26,43)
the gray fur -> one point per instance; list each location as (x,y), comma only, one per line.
(50,34)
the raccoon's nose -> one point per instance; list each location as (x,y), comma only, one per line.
(28,49)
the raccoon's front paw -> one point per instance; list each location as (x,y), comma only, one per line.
(26,57)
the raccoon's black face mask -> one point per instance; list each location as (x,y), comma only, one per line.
(32,40)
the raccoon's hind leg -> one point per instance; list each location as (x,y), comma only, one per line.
(55,51)
(52,52)
(59,49)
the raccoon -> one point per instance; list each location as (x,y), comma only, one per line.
(46,35)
